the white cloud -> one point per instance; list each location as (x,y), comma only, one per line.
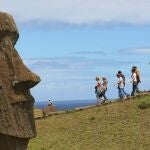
(79,12)
(90,53)
(74,64)
(77,80)
(136,51)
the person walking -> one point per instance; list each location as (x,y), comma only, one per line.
(124,82)
(120,84)
(50,102)
(104,88)
(134,81)
(98,90)
(137,71)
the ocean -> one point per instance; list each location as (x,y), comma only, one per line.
(65,105)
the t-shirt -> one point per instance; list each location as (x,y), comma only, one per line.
(123,77)
(120,82)
(134,77)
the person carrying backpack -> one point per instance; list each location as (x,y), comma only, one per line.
(134,81)
(104,88)
(138,77)
(98,90)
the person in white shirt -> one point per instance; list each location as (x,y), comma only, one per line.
(134,81)
(137,71)
(123,77)
(120,84)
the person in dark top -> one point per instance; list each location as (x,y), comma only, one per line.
(49,102)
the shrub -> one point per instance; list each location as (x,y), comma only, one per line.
(143,104)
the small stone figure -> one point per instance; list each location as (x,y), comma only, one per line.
(50,108)
(16,103)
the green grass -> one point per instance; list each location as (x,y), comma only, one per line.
(119,125)
(144,103)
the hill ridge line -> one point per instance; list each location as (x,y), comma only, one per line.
(144,93)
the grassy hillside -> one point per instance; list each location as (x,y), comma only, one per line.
(119,125)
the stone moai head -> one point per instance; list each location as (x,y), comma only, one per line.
(16,102)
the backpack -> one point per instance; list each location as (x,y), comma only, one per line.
(105,83)
(98,90)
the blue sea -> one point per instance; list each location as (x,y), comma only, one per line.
(65,105)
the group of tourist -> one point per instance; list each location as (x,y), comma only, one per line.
(101,87)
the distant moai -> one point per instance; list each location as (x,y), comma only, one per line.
(48,110)
(17,124)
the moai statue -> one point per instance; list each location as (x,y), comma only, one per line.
(17,124)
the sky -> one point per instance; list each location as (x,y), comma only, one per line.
(70,42)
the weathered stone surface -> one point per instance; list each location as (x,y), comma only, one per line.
(49,109)
(8,26)
(16,102)
(12,143)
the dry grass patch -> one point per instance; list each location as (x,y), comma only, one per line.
(119,125)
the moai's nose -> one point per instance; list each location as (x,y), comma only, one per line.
(27,83)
